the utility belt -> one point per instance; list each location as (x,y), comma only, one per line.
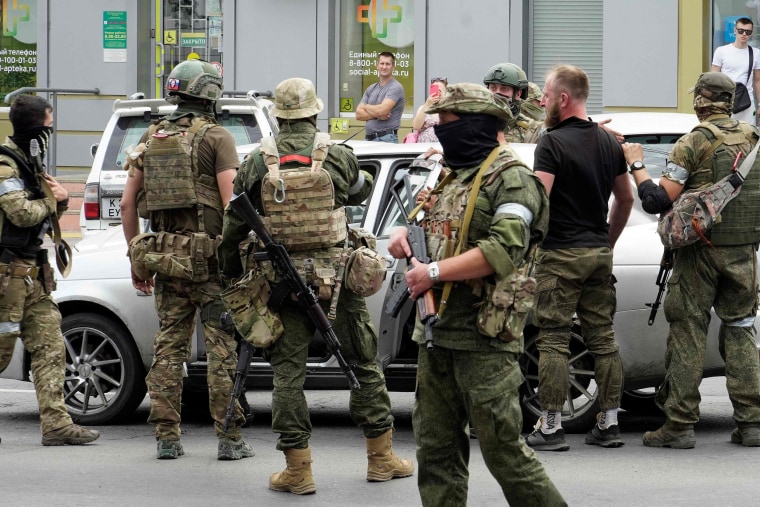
(357,264)
(10,268)
(375,135)
(186,256)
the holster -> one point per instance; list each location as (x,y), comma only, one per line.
(47,273)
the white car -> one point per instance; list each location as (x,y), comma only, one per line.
(247,118)
(109,326)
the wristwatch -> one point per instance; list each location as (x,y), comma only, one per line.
(433,271)
(636,165)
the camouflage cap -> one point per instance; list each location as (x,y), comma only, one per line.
(716,86)
(471,98)
(296,98)
(534,92)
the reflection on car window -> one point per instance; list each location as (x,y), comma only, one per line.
(396,210)
(656,150)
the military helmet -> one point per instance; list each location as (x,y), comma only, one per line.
(296,98)
(194,78)
(715,87)
(534,92)
(506,74)
(472,98)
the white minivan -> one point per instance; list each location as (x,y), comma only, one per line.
(247,118)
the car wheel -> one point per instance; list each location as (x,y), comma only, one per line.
(640,401)
(105,378)
(582,403)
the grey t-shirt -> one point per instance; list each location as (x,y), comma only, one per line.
(374,95)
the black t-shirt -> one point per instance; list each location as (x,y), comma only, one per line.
(585,160)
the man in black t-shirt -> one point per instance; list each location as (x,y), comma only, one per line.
(580,166)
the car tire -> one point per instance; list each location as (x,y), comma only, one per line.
(640,401)
(105,377)
(579,413)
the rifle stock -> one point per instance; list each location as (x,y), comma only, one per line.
(282,262)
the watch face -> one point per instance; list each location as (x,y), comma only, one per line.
(637,165)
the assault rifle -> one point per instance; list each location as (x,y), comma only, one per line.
(666,265)
(39,169)
(294,284)
(426,310)
(241,371)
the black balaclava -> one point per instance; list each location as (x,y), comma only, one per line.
(22,136)
(467,142)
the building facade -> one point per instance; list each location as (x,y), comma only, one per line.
(640,55)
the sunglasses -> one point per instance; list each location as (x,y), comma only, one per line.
(744,31)
(442,79)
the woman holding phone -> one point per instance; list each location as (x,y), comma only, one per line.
(423,123)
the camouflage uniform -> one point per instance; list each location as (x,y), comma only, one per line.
(523,129)
(722,276)
(296,106)
(179,302)
(370,406)
(469,377)
(27,310)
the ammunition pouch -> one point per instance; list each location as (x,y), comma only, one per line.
(365,268)
(183,256)
(505,310)
(246,301)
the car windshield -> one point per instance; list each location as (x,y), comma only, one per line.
(131,128)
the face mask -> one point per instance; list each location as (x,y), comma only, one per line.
(468,141)
(24,136)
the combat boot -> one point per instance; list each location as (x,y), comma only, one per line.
(72,434)
(383,464)
(297,477)
(675,436)
(230,449)
(748,436)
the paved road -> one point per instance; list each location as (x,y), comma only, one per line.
(120,468)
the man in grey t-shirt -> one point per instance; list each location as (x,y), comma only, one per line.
(382,103)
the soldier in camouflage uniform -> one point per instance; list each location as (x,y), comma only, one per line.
(471,376)
(580,166)
(509,81)
(720,275)
(296,107)
(531,105)
(194,86)
(27,309)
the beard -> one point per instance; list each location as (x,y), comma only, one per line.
(552,115)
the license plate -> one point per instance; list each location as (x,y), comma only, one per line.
(110,208)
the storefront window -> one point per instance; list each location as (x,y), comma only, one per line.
(725,14)
(192,29)
(18,46)
(369,27)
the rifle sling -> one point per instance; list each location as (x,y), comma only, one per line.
(463,232)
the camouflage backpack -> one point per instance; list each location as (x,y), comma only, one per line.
(694,213)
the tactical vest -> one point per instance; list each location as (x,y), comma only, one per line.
(531,110)
(298,197)
(172,177)
(12,236)
(446,218)
(739,223)
(522,130)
